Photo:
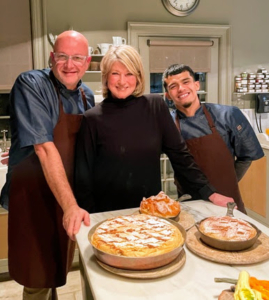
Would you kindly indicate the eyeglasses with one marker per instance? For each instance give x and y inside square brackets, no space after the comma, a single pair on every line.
[76,59]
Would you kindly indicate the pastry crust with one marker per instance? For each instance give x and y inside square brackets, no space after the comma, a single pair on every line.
[160,206]
[227,228]
[137,236]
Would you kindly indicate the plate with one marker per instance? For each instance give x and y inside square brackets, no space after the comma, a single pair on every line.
[257,253]
[148,274]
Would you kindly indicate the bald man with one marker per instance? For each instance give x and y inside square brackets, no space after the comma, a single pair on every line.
[46,108]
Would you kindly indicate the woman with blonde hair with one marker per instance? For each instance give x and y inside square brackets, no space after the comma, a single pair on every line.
[121,140]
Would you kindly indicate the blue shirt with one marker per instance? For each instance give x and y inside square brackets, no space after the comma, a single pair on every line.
[34,112]
[231,124]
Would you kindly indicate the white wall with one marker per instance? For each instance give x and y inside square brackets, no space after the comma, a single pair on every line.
[101,19]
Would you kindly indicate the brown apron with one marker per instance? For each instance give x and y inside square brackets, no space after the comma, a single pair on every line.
[215,160]
[40,253]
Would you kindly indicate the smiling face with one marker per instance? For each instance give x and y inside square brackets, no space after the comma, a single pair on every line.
[68,72]
[182,89]
[120,81]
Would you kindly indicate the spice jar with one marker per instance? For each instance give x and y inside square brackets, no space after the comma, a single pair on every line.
[238,84]
[244,75]
[251,75]
[262,70]
[259,76]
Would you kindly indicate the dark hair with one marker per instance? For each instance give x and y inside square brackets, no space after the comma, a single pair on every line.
[174,70]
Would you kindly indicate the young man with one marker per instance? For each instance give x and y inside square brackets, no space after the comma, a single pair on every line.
[219,137]
[46,109]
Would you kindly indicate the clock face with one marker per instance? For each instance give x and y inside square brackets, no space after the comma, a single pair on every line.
[180,7]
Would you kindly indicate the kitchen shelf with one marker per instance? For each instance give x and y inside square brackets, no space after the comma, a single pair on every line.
[235,93]
[198,92]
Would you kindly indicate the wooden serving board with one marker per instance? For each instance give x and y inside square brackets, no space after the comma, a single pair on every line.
[186,219]
[257,253]
[148,274]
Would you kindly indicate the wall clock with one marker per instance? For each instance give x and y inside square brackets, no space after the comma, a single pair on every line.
[180,8]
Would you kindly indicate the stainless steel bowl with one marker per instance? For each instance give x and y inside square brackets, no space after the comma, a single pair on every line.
[138,263]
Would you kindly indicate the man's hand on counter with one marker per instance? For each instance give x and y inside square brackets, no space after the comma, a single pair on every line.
[4,158]
[219,199]
[72,219]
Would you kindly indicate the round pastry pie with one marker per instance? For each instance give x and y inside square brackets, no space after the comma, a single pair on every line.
[227,229]
[160,206]
[136,236]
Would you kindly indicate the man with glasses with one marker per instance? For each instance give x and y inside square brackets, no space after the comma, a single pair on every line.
[46,108]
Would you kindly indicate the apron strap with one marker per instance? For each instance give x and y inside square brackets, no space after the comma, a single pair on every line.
[177,122]
[208,117]
[84,98]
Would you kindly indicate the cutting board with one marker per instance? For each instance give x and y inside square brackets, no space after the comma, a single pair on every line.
[257,253]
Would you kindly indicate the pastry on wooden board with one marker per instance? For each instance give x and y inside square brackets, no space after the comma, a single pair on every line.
[160,205]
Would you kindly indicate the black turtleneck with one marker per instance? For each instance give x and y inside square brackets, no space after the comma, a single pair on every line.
[118,154]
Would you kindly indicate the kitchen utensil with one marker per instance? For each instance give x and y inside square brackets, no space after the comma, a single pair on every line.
[118,40]
[138,263]
[259,252]
[228,280]
[103,47]
[226,244]
[184,197]
[230,209]
[168,269]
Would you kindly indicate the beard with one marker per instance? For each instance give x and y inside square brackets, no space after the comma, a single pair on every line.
[187,105]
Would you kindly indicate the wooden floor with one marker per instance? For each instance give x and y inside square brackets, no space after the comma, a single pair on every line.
[10,290]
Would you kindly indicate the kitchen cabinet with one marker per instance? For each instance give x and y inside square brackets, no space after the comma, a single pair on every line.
[3,241]
[15,41]
[253,190]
